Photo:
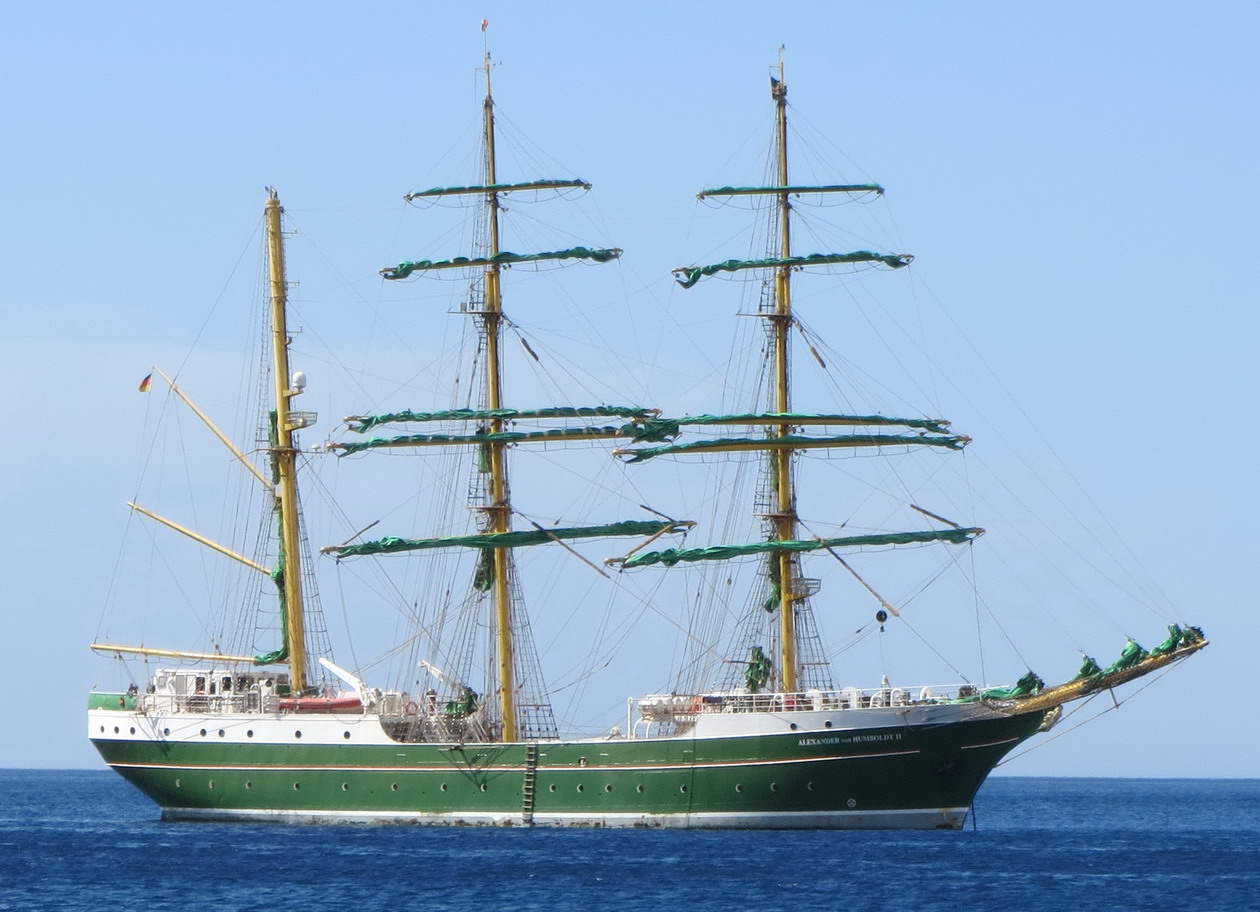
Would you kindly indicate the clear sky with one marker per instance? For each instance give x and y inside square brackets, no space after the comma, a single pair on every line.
[1077,180]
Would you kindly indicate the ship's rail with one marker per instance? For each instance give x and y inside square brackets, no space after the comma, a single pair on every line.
[208,704]
[672,707]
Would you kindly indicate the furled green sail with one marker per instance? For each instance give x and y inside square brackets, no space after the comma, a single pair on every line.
[769,191]
[687,276]
[647,431]
[598,254]
[759,669]
[936,425]
[361,424]
[672,556]
[498,188]
[520,539]
[1026,686]
[1131,655]
[791,442]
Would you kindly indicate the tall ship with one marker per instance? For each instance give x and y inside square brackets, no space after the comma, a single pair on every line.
[755,734]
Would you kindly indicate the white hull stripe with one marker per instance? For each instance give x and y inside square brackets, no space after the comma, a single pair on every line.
[460,767]
[855,819]
[968,747]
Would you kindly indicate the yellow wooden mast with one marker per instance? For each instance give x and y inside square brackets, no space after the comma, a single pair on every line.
[284,453]
[499,508]
[784,519]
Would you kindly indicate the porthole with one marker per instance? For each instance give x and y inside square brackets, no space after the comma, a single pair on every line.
[249,734]
[116,730]
[297,734]
[581,760]
[102,729]
[483,786]
[166,733]
[683,789]
[607,789]
[248,784]
[810,786]
[581,788]
[345,786]
[774,786]
[827,724]
[393,786]
[179,783]
[203,732]
[210,783]
[551,788]
[852,802]
[346,735]
[442,787]
[739,788]
[792,726]
[222,733]
[296,786]
[133,729]
[639,789]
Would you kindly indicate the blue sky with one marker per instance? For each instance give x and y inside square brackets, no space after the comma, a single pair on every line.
[1077,182]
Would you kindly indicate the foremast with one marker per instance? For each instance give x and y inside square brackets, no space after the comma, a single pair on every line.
[785,518]
[783,436]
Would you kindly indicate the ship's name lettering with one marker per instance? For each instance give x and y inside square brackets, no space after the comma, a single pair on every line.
[849,739]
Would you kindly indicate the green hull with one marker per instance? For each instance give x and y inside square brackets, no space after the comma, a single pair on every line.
[915,776]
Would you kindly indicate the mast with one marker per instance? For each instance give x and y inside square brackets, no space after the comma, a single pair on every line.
[498,511]
[784,519]
[288,574]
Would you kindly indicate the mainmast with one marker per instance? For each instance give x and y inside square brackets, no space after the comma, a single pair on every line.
[288,574]
[490,429]
[784,519]
[499,510]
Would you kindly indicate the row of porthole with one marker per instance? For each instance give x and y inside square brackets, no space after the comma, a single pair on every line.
[393,787]
[345,786]
[166,732]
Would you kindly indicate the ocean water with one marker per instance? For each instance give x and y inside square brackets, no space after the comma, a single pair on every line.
[80,840]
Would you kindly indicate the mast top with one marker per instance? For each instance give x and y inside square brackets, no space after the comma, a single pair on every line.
[778,87]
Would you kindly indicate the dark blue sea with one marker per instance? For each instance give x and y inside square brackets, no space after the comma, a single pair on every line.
[76,840]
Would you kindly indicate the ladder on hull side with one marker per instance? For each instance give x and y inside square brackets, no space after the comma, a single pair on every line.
[529,783]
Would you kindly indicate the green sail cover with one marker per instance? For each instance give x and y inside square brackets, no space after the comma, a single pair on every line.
[363,423]
[1131,655]
[599,255]
[487,540]
[499,188]
[649,431]
[758,191]
[935,425]
[791,442]
[281,653]
[1176,636]
[1026,686]
[672,556]
[688,276]
[1089,668]
[759,669]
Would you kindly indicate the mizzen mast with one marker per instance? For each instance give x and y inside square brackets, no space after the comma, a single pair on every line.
[287,574]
